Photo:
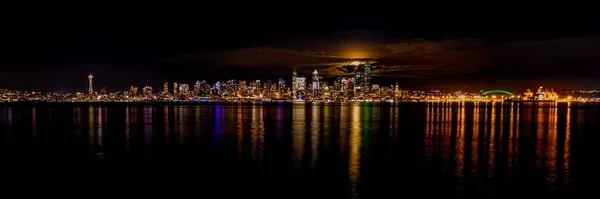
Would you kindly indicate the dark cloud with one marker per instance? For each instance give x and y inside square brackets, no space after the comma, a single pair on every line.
[462,59]
[266,57]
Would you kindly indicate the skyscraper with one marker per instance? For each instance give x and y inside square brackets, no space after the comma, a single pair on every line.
[300,83]
[184,88]
[197,87]
[175,88]
[90,79]
[294,75]
[166,88]
[366,76]
[281,86]
[147,90]
[315,84]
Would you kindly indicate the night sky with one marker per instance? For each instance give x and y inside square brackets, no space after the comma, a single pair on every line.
[420,47]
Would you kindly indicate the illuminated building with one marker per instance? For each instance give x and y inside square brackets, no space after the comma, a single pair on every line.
[242,87]
[337,84]
[316,84]
[166,88]
[294,89]
[281,87]
[528,94]
[184,88]
[324,90]
[540,93]
[344,85]
[300,87]
[350,87]
[147,90]
[230,88]
[552,94]
[175,88]
[300,83]
[357,79]
[375,88]
[103,91]
[90,79]
[133,90]
[366,75]
[281,84]
[197,88]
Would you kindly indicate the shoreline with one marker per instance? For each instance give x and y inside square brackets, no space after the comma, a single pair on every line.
[435,103]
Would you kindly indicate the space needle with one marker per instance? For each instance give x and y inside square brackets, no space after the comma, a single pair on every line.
[90,79]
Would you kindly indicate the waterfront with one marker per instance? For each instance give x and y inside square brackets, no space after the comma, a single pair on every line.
[305,150]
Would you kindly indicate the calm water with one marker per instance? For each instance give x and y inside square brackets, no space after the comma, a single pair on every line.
[300,151]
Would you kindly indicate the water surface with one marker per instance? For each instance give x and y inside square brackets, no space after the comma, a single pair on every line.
[301,150]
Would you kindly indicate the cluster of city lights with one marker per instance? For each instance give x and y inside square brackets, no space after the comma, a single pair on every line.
[352,88]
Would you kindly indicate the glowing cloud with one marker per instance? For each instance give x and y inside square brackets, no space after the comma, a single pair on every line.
[355,63]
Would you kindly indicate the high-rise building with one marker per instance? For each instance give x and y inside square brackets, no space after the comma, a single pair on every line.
[90,80]
[184,88]
[147,90]
[344,82]
[175,88]
[300,83]
[197,88]
[294,88]
[133,90]
[337,84]
[166,88]
[316,84]
[315,80]
[366,75]
[281,86]
[375,89]
[358,79]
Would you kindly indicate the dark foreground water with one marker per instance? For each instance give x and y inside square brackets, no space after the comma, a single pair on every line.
[298,151]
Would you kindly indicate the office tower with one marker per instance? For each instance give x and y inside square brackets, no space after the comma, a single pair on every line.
[184,88]
[166,88]
[366,76]
[315,84]
[175,88]
[147,90]
[294,88]
[133,90]
[197,88]
[300,83]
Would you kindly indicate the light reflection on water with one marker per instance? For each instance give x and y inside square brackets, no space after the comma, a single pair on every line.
[355,144]
[257,135]
[315,125]
[34,122]
[91,135]
[495,140]
[127,130]
[475,144]
[298,134]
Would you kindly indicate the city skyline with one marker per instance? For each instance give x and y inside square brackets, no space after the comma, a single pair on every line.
[354,87]
[456,85]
